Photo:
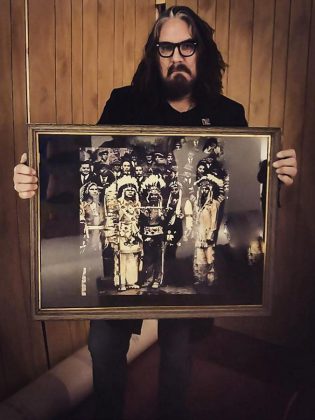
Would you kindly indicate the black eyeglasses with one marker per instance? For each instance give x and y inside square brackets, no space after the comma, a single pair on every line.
[186,48]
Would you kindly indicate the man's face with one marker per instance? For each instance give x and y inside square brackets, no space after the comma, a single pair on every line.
[204,190]
[177,70]
[104,156]
[85,169]
[126,167]
[130,192]
[139,171]
[170,158]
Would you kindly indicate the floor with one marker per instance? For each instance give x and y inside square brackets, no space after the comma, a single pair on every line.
[235,377]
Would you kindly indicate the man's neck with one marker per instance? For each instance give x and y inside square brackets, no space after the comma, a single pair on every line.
[183,104]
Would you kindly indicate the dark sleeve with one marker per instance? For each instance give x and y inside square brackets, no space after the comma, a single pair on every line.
[119,109]
[109,111]
[239,117]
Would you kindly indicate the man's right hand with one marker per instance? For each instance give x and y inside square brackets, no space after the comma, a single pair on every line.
[25,179]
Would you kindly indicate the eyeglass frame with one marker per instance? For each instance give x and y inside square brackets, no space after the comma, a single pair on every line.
[177,45]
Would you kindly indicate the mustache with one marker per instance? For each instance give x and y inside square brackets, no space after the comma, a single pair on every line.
[178,67]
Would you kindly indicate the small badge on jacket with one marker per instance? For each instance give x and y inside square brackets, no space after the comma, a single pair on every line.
[205,121]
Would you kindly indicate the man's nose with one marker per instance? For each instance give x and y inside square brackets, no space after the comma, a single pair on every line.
[177,55]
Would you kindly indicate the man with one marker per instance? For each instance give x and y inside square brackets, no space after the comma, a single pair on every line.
[179,83]
[86,172]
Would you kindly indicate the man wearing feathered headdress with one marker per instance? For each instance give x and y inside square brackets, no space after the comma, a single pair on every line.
[205,214]
[152,223]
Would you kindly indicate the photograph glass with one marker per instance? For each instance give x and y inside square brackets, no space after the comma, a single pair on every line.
[140,223]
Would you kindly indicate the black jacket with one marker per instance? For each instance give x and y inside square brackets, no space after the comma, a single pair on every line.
[123,107]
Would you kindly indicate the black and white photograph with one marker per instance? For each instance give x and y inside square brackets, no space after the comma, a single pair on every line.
[153,220]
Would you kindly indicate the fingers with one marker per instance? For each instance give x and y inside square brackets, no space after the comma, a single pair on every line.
[25,179]
[284,162]
[25,187]
[287,180]
[287,170]
[23,158]
[288,153]
[26,194]
[286,166]
[23,169]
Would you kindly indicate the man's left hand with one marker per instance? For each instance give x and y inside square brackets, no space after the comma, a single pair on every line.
[286,166]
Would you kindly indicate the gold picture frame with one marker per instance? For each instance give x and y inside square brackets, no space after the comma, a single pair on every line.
[152,222]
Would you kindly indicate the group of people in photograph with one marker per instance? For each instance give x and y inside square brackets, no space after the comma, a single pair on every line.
[138,206]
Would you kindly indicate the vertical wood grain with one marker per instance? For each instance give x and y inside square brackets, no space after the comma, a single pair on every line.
[240,51]
[106,30]
[6,132]
[118,43]
[306,203]
[129,31]
[77,61]
[279,63]
[34,343]
[207,11]
[258,114]
[63,62]
[294,136]
[90,51]
[193,4]
[21,350]
[42,49]
[144,20]
[222,34]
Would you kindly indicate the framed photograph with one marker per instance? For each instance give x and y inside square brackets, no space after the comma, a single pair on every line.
[152,222]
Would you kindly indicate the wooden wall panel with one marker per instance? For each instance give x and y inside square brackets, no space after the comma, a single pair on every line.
[90,51]
[55,73]
[240,51]
[279,63]
[118,43]
[222,34]
[261,63]
[193,4]
[76,59]
[305,240]
[207,11]
[145,12]
[287,110]
[21,345]
[63,62]
[129,31]
[42,52]
[106,31]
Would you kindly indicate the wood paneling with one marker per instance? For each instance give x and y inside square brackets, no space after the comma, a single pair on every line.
[63,62]
[240,51]
[90,51]
[79,50]
[42,52]
[106,31]
[258,113]
[21,344]
[76,59]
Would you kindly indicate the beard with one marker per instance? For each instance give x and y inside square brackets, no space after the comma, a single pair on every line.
[178,86]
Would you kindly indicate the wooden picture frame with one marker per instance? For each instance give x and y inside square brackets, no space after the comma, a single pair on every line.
[152,222]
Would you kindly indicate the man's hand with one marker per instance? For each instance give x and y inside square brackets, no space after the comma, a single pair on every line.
[25,179]
[286,166]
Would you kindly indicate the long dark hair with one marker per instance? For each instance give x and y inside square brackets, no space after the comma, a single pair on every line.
[210,64]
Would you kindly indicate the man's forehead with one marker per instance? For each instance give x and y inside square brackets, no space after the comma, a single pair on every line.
[175,30]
